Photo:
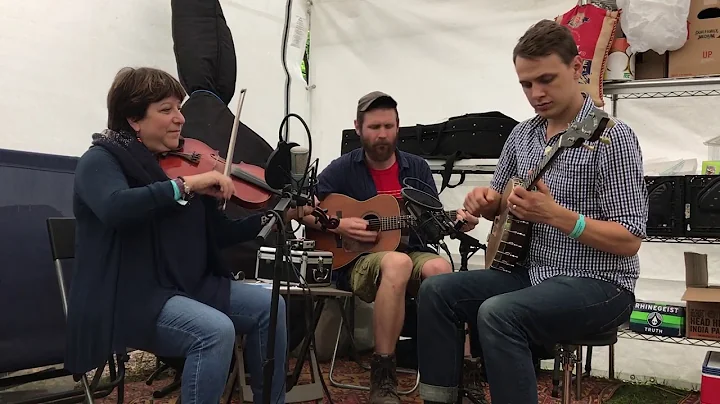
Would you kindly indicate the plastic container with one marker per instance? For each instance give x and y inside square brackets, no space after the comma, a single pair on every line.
[710,382]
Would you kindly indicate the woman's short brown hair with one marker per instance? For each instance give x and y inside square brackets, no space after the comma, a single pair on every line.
[133,90]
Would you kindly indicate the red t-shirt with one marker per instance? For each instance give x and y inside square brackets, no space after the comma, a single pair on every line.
[387,181]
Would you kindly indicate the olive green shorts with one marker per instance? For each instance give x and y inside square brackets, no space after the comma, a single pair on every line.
[365,274]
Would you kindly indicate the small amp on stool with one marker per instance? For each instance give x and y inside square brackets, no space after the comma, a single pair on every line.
[313,267]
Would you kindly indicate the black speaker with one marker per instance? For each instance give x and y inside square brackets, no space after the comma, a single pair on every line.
[666,210]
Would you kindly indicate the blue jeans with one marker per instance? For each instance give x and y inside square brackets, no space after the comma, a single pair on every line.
[510,317]
[206,338]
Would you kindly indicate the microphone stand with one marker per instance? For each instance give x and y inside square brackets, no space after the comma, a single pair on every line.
[281,244]
[464,255]
[468,244]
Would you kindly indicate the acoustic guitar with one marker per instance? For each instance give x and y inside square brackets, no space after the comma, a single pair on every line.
[383,215]
[509,236]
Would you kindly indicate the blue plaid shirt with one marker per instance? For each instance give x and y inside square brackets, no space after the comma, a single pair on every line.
[605,184]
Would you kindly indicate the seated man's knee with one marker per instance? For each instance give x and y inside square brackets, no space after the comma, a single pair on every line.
[395,268]
[495,312]
[435,287]
[435,266]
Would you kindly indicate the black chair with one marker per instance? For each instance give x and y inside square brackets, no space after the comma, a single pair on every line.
[568,354]
[163,364]
[62,244]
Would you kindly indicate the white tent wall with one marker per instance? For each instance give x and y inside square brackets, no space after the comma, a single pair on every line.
[446,58]
[58,59]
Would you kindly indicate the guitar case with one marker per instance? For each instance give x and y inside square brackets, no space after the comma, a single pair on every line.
[207,66]
[470,136]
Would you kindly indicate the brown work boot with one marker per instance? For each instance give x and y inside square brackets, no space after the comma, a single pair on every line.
[383,380]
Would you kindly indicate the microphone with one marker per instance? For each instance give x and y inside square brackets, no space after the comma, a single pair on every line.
[425,208]
[299,157]
[431,219]
[285,169]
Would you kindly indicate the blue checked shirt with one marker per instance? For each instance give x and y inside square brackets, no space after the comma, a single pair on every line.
[605,184]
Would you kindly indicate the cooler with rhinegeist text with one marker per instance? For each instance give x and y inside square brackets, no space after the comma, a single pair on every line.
[656,318]
[710,382]
[309,267]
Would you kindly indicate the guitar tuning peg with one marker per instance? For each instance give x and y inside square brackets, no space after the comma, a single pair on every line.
[589,147]
[604,140]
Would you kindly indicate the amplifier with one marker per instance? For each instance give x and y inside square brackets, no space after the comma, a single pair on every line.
[666,216]
[702,218]
[313,267]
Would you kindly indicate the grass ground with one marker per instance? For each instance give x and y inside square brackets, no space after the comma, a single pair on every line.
[645,394]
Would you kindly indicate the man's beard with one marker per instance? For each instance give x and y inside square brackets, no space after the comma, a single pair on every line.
[380,151]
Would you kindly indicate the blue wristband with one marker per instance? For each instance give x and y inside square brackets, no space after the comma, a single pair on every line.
[579,227]
[176,190]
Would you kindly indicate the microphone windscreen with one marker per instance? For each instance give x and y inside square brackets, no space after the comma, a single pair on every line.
[277,169]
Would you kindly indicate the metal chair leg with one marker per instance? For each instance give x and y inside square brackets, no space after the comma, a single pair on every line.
[88,393]
[567,359]
[578,373]
[335,383]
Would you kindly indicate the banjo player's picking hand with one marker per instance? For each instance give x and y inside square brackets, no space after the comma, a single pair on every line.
[478,201]
[534,206]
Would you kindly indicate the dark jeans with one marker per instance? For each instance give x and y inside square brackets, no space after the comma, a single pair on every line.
[510,315]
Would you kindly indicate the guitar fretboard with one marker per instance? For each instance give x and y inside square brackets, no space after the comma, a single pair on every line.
[399,222]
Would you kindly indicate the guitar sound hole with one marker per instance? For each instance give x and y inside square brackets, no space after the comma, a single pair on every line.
[351,245]
[372,218]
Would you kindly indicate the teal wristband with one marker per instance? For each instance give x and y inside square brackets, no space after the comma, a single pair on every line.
[579,227]
[176,190]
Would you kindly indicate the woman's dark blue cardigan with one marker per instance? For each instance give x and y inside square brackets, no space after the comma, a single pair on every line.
[116,293]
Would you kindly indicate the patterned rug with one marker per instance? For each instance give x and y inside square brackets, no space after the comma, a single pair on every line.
[594,390]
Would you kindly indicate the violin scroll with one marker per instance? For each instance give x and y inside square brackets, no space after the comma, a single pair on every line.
[325,221]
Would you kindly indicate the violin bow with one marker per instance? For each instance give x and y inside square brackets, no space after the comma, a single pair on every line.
[233,137]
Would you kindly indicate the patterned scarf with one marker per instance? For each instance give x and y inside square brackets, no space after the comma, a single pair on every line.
[137,162]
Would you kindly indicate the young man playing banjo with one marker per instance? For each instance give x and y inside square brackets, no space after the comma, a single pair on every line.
[383,277]
[588,218]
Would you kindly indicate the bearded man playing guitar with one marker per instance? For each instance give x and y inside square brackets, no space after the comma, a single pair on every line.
[588,218]
[383,277]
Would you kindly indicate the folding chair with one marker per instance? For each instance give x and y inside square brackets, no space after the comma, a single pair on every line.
[62,245]
[346,323]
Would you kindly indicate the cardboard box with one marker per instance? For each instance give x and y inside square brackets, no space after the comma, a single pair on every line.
[654,318]
[700,55]
[702,300]
[651,65]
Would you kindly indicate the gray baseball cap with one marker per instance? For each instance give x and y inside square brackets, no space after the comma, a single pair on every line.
[365,101]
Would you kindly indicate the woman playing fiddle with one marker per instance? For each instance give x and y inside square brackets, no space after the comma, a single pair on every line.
[148,270]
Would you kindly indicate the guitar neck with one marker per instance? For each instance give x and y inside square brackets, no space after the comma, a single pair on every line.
[399,222]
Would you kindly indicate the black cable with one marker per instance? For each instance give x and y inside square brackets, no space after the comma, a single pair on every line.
[283,125]
[283,53]
[282,228]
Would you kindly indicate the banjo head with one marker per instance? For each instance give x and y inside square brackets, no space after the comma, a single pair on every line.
[506,240]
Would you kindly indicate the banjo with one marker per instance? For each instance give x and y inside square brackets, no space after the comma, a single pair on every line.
[509,237]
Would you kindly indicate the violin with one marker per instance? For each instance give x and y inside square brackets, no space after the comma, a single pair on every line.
[251,191]
[195,157]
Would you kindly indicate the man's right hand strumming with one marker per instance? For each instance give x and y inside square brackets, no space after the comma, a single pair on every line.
[483,201]
[356,228]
